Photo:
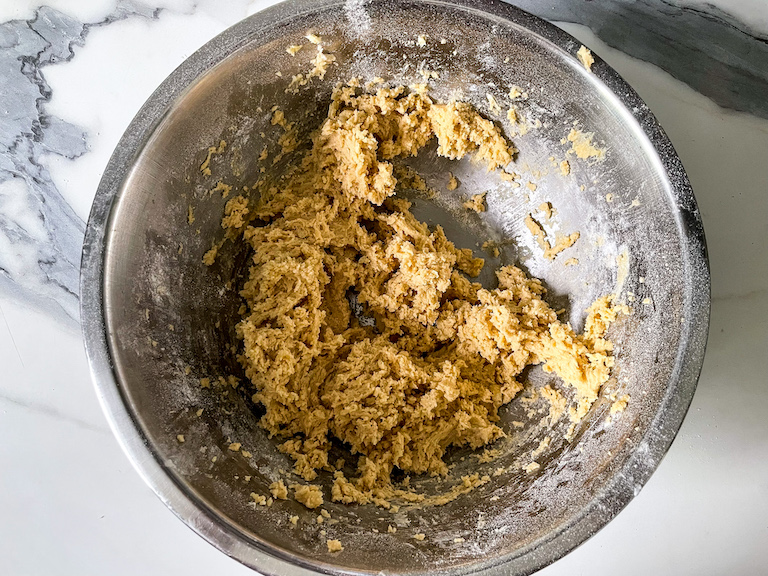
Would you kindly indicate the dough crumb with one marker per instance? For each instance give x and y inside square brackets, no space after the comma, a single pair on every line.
[620,404]
[294,520]
[468,483]
[420,536]
[585,57]
[180,438]
[225,189]
[609,197]
[334,545]
[561,243]
[582,146]
[391,529]
[308,494]
[320,64]
[453,182]
[293,49]
[550,250]
[205,167]
[532,467]
[235,446]
[190,215]
[260,499]
[565,168]
[279,490]
[571,262]
[476,203]
[510,177]
[488,455]
[421,40]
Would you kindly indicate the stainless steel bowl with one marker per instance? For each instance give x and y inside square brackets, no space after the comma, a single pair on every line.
[156,320]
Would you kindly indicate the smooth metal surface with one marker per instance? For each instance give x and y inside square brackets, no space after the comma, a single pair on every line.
[156,320]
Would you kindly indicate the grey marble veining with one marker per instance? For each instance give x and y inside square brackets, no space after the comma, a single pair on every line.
[40,234]
[51,412]
[709,50]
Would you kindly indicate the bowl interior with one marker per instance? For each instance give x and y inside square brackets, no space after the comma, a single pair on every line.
[170,319]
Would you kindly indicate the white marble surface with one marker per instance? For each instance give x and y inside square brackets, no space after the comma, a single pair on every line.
[70,502]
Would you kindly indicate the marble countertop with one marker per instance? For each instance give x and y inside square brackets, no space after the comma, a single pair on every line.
[72,75]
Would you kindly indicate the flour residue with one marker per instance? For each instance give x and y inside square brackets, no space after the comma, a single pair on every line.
[582,145]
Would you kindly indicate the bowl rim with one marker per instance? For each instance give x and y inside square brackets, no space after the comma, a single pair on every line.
[224,535]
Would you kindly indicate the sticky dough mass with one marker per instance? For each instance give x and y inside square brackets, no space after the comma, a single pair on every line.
[441,355]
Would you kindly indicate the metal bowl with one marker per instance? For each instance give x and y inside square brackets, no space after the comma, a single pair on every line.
[156,320]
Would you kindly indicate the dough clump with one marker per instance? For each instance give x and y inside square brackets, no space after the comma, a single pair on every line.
[361,324]
[308,494]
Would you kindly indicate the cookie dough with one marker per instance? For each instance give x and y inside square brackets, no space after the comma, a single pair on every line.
[585,57]
[550,250]
[476,202]
[582,145]
[361,324]
[334,545]
[279,490]
[310,495]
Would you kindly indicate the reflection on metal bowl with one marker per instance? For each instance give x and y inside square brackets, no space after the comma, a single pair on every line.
[156,320]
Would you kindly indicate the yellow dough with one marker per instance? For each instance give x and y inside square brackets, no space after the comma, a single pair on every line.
[441,354]
[308,494]
[476,203]
[585,57]
[279,490]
